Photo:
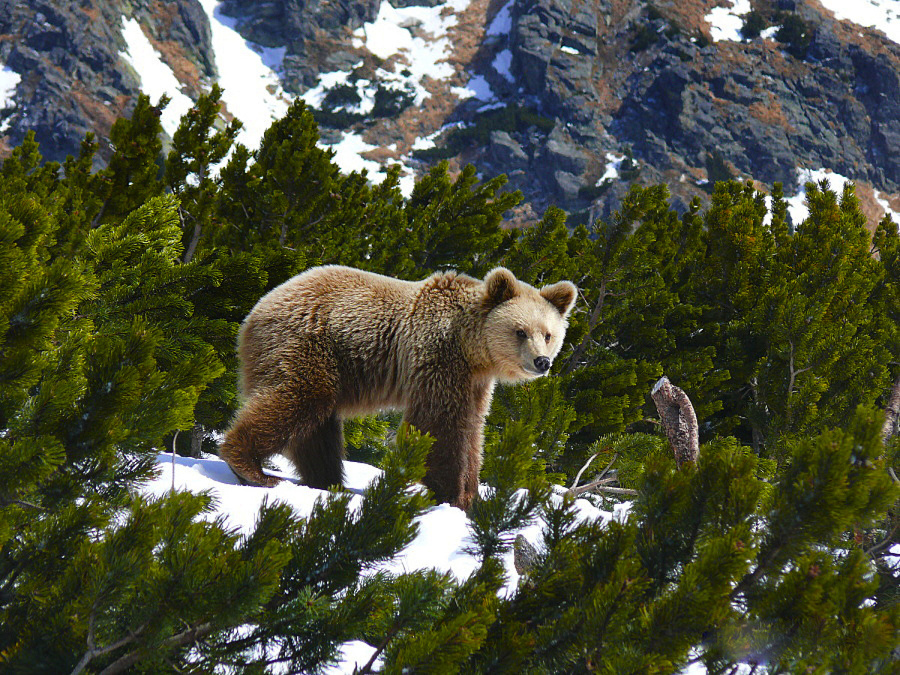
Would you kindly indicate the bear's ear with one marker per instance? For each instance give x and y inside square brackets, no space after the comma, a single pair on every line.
[561,295]
[500,286]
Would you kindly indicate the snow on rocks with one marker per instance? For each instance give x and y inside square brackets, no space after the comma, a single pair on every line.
[502,63]
[9,80]
[501,24]
[156,77]
[613,166]
[883,203]
[477,87]
[248,74]
[883,15]
[417,37]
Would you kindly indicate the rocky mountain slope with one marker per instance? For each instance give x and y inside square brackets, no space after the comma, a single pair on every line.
[572,99]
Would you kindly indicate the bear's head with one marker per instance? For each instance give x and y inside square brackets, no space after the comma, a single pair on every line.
[524,327]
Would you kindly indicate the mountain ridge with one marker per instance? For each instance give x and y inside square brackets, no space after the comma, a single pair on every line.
[572,99]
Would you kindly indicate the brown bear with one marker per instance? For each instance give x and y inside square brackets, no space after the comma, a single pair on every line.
[335,342]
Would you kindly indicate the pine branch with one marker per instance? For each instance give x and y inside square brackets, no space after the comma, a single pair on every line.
[179,640]
[384,643]
[93,651]
[678,420]
[20,502]
[592,323]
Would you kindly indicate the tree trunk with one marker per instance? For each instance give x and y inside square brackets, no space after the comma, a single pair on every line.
[196,440]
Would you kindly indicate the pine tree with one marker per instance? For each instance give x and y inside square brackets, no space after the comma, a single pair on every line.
[190,169]
[282,197]
[767,550]
[450,225]
[133,173]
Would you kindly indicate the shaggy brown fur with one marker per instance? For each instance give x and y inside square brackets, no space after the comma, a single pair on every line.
[336,342]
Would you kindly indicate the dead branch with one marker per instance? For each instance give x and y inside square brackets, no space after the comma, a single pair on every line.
[892,414]
[678,420]
[582,470]
[601,485]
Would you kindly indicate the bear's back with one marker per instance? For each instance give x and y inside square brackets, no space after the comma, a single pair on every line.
[373,328]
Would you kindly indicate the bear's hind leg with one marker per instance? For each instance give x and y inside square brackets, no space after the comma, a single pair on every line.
[318,453]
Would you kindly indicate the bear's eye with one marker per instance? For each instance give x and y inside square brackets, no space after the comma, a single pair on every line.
[547,338]
[521,334]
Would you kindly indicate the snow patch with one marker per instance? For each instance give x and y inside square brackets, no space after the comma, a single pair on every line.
[882,15]
[248,74]
[477,87]
[797,204]
[502,63]
[316,96]
[569,50]
[9,80]
[348,154]
[401,32]
[893,557]
[613,166]
[157,79]
[501,24]
[883,203]
[725,23]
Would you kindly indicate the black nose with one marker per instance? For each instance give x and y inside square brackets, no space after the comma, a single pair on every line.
[542,363]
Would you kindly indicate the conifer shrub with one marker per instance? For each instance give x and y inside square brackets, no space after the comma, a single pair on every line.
[508,118]
[769,550]
[794,33]
[754,24]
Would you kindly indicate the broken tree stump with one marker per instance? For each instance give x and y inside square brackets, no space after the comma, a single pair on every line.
[678,420]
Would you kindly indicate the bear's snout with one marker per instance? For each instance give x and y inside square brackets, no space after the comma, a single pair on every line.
[542,363]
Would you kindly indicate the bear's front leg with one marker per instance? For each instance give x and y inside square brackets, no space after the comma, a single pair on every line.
[454,461]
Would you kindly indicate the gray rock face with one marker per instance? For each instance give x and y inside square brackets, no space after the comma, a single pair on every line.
[299,26]
[675,103]
[592,78]
[73,80]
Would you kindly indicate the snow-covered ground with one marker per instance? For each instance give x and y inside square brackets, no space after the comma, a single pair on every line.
[883,15]
[442,535]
